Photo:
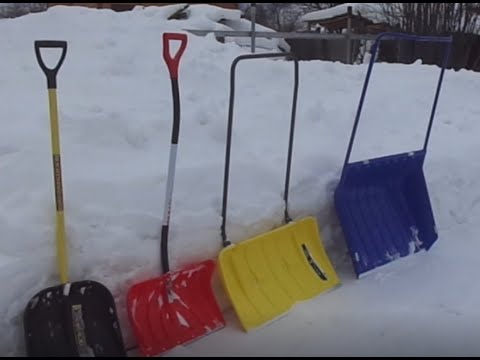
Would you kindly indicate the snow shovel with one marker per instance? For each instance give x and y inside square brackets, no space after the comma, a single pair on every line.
[266,275]
[74,319]
[383,203]
[177,307]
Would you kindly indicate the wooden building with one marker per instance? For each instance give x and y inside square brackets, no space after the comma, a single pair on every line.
[346,19]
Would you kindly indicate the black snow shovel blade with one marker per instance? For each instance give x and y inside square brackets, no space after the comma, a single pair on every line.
[75,320]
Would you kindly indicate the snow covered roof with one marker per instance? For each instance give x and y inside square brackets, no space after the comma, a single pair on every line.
[369,11]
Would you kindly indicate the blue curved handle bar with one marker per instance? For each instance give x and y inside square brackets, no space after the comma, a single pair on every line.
[401,36]
[419,38]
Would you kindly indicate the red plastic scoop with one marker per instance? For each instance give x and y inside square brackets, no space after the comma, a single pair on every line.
[163,318]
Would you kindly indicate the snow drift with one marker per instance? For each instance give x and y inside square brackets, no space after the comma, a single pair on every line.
[115,117]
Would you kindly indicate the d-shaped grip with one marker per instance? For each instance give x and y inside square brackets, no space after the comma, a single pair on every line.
[51,74]
[173,62]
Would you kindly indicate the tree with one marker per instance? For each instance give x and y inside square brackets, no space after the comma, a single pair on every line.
[11,10]
[460,19]
[433,18]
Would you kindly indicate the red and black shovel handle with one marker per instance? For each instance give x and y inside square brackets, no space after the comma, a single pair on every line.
[173,65]
[173,62]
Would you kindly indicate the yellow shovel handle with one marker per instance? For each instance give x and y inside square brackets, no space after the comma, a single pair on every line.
[51,74]
[60,233]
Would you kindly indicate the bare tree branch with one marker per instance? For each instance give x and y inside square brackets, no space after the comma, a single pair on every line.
[433,18]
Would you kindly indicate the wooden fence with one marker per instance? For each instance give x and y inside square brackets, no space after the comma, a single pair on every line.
[350,48]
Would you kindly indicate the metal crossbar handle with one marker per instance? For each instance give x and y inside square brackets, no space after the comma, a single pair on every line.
[229,133]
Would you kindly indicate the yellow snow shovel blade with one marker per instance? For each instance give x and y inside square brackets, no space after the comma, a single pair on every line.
[265,276]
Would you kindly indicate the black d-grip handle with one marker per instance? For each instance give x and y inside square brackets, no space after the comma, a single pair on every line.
[51,74]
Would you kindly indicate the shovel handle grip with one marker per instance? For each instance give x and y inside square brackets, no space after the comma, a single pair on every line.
[50,73]
[173,62]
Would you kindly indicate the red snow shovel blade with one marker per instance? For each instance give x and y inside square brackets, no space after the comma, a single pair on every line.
[163,318]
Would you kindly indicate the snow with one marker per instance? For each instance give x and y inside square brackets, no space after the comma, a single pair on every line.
[207,17]
[66,289]
[182,320]
[115,116]
[213,13]
[371,11]
[213,18]
[260,42]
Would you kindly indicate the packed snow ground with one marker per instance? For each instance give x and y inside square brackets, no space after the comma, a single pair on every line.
[115,114]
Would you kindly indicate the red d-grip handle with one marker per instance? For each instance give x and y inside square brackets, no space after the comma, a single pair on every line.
[173,62]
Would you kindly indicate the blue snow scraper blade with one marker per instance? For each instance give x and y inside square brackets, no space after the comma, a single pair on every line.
[385,210]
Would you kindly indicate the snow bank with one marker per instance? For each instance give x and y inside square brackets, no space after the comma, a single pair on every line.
[213,18]
[208,17]
[115,116]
